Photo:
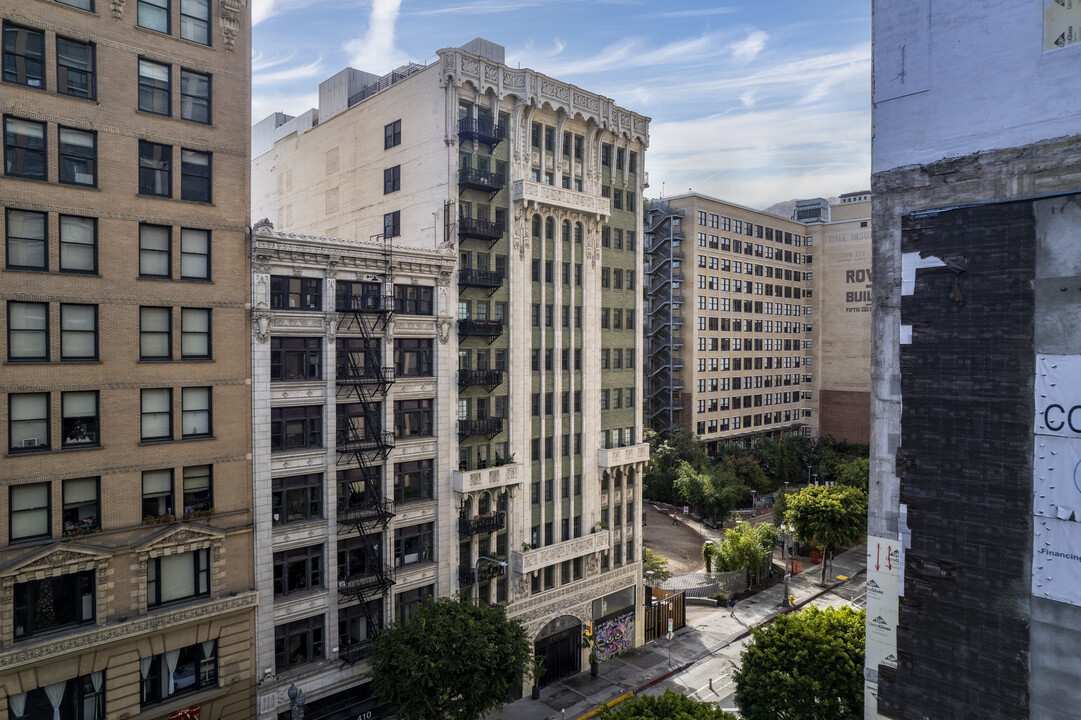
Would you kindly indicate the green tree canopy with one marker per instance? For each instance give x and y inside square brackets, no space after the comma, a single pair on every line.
[854,472]
[670,706]
[450,661]
[747,547]
[712,493]
[830,516]
[657,564]
[804,666]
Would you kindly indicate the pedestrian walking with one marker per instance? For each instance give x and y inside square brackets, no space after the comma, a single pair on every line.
[674,521]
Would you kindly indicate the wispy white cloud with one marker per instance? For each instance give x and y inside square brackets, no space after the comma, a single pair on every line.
[699,12]
[748,48]
[377,52]
[261,10]
[311,69]
[631,53]
[748,99]
[482,7]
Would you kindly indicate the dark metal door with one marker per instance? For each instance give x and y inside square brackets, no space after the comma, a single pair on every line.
[562,654]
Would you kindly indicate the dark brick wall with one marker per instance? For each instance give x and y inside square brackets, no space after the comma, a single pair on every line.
[965,468]
[845,415]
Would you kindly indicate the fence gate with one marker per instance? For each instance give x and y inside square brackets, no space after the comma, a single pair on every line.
[561,649]
[671,606]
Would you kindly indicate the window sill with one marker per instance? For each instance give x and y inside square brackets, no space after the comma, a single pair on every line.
[80,446]
[85,186]
[36,451]
[168,707]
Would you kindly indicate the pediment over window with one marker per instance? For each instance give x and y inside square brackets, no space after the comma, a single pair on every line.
[181,538]
[64,558]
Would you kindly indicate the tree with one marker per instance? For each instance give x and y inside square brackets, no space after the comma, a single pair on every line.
[854,472]
[748,473]
[665,457]
[657,564]
[804,666]
[670,706]
[829,516]
[450,661]
[747,547]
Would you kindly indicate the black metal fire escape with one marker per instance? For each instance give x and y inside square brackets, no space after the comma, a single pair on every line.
[664,324]
[363,379]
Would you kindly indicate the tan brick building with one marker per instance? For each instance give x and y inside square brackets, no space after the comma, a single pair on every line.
[126,583]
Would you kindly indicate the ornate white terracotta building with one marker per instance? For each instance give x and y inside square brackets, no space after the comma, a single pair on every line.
[484,379]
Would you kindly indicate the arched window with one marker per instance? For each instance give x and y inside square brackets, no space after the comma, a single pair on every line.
[550,228]
[484,504]
[578,233]
[536,226]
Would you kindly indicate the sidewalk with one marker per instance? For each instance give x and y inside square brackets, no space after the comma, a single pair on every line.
[707,630]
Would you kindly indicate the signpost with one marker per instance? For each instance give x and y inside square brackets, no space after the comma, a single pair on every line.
[669,642]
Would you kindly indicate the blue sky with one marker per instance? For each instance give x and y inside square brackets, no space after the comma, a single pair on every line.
[753,102]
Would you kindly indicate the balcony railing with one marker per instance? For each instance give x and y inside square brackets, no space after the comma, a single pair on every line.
[480,179]
[490,523]
[353,441]
[355,653]
[535,559]
[613,457]
[367,584]
[490,329]
[485,131]
[350,373]
[486,378]
[466,575]
[370,511]
[490,479]
[489,426]
[348,302]
[489,279]
[489,571]
[480,229]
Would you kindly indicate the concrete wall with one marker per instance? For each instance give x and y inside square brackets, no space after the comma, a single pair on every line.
[953,78]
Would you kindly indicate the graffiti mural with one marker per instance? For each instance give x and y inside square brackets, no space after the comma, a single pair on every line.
[614,636]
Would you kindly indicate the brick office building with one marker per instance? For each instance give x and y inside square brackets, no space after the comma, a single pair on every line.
[126,546]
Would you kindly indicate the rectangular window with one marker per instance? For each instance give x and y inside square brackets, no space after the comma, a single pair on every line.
[297,499]
[28,331]
[24,56]
[392,179]
[413,481]
[28,422]
[156,414]
[292,293]
[194,96]
[296,428]
[78,244]
[413,418]
[295,359]
[157,494]
[155,333]
[155,87]
[30,511]
[78,157]
[406,603]
[196,412]
[392,134]
[183,671]
[413,545]
[24,148]
[413,299]
[392,224]
[198,491]
[155,251]
[171,578]
[195,176]
[50,604]
[26,240]
[154,15]
[195,333]
[194,254]
[75,68]
[82,512]
[79,419]
[195,21]
[298,570]
[155,169]
[413,357]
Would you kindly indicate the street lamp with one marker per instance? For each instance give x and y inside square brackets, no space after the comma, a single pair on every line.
[476,575]
[752,499]
[786,535]
[816,479]
[296,702]
[808,475]
[649,588]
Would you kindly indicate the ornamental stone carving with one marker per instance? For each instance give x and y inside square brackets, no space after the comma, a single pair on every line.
[118,9]
[444,330]
[260,322]
[229,12]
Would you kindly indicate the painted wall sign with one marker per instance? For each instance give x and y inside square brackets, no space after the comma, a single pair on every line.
[1061,23]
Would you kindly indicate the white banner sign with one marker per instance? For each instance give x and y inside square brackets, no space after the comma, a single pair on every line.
[1058,396]
[1056,560]
[1056,472]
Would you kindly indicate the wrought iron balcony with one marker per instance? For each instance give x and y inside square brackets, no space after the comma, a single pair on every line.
[466,575]
[487,378]
[491,329]
[480,229]
[478,179]
[489,426]
[490,523]
[488,279]
[485,131]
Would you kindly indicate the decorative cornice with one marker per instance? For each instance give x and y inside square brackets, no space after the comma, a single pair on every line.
[105,386]
[81,642]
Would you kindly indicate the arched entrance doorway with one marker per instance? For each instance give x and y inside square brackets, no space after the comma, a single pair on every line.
[560,642]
